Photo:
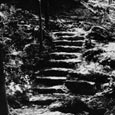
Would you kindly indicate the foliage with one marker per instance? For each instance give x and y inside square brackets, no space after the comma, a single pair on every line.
[19,32]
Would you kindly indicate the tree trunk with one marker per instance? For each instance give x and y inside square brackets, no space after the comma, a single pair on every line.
[46,14]
[3,100]
[110,1]
[40,25]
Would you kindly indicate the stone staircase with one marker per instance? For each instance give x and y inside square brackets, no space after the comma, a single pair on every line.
[64,59]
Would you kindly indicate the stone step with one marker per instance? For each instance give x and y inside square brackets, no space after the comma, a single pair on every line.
[74,34]
[73,38]
[50,80]
[80,76]
[42,99]
[59,63]
[46,99]
[68,48]
[69,42]
[64,63]
[58,34]
[75,60]
[48,90]
[55,72]
[64,55]
[98,78]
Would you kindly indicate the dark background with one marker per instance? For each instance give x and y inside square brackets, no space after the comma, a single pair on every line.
[54,6]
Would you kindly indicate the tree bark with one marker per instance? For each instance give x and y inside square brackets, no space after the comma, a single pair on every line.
[110,1]
[40,25]
[47,14]
[3,100]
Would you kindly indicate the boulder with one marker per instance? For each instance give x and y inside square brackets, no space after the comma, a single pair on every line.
[81,87]
[92,54]
[70,105]
[99,33]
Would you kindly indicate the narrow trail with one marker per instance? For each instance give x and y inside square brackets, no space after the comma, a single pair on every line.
[52,81]
[64,59]
[59,75]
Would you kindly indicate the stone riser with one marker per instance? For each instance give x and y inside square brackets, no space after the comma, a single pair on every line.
[56,56]
[58,34]
[71,38]
[49,82]
[69,49]
[47,90]
[58,73]
[60,65]
[70,43]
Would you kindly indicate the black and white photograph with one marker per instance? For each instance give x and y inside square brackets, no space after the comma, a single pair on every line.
[57,57]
